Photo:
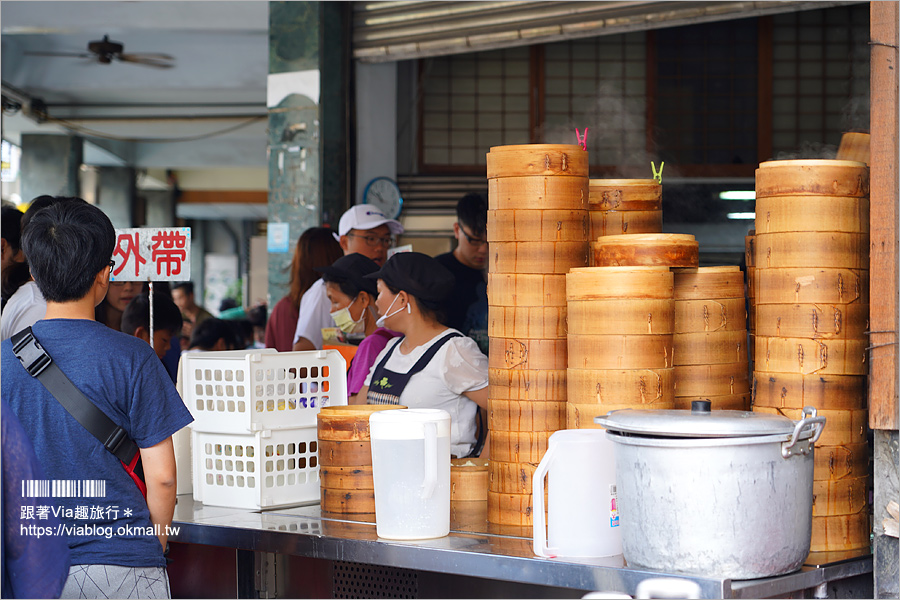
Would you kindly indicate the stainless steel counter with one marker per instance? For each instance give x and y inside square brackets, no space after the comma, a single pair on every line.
[474,548]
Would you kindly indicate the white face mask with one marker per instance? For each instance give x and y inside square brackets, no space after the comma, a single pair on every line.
[344,320]
[381,320]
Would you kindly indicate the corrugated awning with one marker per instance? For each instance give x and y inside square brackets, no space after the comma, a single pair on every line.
[402,30]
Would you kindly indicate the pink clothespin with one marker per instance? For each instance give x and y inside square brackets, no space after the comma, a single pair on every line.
[582,140]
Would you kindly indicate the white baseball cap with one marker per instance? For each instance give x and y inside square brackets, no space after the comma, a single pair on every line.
[366,216]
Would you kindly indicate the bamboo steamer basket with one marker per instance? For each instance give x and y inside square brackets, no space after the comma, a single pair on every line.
[603,283]
[528,322]
[750,248]
[527,384]
[625,194]
[618,222]
[641,316]
[620,351]
[832,321]
[710,316]
[792,390]
[510,353]
[526,415]
[846,496]
[346,477]
[726,402]
[714,380]
[812,286]
[524,289]
[794,213]
[468,479]
[815,250]
[841,532]
[348,501]
[511,478]
[516,225]
[713,348]
[469,515]
[807,356]
[650,387]
[519,446]
[838,462]
[347,423]
[808,177]
[581,416]
[354,453]
[704,283]
[528,160]
[537,257]
[510,509]
[843,428]
[646,249]
[537,193]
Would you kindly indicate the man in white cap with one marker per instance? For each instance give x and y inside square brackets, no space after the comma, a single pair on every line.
[363,229]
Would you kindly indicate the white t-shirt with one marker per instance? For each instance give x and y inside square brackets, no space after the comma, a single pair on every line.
[458,367]
[23,309]
[315,313]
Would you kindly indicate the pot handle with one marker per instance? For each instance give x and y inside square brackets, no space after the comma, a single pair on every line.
[809,418]
[431,461]
[537,502]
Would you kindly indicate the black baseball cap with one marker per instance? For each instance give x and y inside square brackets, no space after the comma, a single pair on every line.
[417,274]
[353,268]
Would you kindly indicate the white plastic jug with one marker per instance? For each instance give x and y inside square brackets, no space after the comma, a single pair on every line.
[411,470]
[582,510]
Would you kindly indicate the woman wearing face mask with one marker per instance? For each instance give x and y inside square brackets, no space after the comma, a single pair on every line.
[352,298]
[432,365]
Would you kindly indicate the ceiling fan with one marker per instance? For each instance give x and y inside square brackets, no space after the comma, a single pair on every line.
[106,51]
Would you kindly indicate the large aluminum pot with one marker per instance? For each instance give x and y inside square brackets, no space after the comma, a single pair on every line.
[715,493]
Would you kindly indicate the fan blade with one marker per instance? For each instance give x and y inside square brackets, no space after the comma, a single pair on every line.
[75,54]
[148,60]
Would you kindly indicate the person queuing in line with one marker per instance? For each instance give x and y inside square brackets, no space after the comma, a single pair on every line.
[352,297]
[13,271]
[431,365]
[120,293]
[192,313]
[257,316]
[467,305]
[363,229]
[316,247]
[167,321]
[170,360]
[69,246]
[212,335]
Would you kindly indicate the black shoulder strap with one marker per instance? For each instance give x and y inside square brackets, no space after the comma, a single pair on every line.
[40,366]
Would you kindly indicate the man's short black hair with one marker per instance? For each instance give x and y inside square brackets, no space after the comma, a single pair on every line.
[187,286]
[165,314]
[471,211]
[209,331]
[11,226]
[67,244]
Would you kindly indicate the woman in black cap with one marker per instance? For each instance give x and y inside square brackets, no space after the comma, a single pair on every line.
[352,296]
[432,365]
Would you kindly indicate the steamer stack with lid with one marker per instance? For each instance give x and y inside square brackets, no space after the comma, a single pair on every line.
[538,228]
[750,262]
[620,206]
[811,301]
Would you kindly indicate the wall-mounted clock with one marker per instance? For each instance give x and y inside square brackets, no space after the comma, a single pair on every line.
[383,193]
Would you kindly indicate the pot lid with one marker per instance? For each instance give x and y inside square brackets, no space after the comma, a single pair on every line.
[699,422]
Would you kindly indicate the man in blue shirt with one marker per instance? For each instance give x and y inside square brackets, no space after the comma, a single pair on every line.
[115,536]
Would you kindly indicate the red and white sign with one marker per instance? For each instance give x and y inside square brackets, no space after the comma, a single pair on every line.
[152,254]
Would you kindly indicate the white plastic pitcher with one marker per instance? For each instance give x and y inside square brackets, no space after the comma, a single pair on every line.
[582,508]
[411,470]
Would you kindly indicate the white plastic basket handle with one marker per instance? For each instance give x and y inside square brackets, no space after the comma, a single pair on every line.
[537,516]
[431,459]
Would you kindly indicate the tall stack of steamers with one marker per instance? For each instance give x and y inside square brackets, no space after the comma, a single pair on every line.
[811,296]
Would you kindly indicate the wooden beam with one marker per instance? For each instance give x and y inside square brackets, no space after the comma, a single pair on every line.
[883,174]
[223,196]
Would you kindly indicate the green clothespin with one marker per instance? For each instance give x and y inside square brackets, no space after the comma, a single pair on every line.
[657,175]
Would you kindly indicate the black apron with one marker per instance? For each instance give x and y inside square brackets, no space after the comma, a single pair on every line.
[387,386]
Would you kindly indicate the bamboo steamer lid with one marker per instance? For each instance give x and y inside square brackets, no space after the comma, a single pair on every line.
[529,322]
[524,289]
[704,283]
[468,479]
[509,509]
[838,462]
[805,177]
[650,387]
[843,427]
[841,532]
[346,477]
[811,286]
[712,380]
[641,316]
[846,496]
[807,356]
[581,416]
[345,453]
[347,423]
[837,321]
[625,194]
[509,353]
[750,248]
[812,250]
[537,257]
[812,213]
[511,478]
[526,415]
[527,384]
[620,351]
[537,159]
[710,316]
[538,193]
[646,249]
[599,283]
[726,402]
[519,446]
[792,390]
[516,225]
[618,222]
[348,501]
[713,348]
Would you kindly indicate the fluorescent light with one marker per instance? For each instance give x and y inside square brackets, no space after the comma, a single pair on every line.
[738,195]
[744,215]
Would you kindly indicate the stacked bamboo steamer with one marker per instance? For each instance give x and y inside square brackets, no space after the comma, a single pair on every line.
[538,229]
[811,301]
[750,262]
[711,338]
[620,206]
[621,324]
[646,250]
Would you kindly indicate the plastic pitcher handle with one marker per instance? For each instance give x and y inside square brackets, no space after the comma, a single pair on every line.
[537,515]
[431,459]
